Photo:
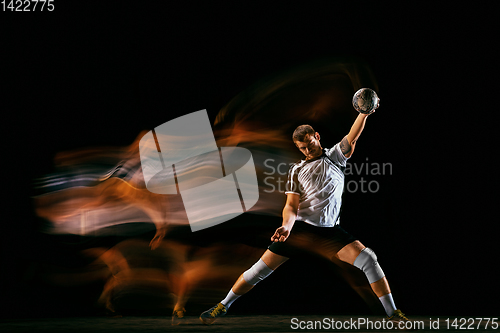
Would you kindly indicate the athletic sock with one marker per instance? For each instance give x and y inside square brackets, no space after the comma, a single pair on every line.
[230,298]
[388,304]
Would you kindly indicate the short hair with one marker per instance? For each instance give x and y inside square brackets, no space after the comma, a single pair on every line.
[300,132]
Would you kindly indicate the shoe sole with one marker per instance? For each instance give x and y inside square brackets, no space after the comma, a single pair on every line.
[207,321]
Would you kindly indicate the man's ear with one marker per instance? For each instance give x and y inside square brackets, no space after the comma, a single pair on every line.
[316,135]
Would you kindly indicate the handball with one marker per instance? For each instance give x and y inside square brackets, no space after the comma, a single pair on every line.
[365,100]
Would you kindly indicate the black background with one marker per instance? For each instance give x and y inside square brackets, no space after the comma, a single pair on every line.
[97,73]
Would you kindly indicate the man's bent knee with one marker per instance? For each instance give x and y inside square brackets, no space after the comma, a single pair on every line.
[263,268]
[367,262]
[258,272]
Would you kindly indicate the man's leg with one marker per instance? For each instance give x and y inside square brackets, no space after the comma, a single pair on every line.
[365,259]
[259,271]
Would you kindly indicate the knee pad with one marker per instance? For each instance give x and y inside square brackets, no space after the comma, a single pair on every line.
[367,262]
[258,272]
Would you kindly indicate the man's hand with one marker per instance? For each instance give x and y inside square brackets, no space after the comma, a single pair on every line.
[281,234]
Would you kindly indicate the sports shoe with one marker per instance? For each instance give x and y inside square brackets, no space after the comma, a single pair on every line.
[178,316]
[398,316]
[208,317]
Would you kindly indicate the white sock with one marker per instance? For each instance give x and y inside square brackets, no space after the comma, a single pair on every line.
[388,304]
[230,298]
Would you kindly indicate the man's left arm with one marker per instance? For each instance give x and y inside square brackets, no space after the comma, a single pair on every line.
[348,143]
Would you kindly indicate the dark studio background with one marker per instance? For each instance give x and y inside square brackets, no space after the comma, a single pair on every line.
[97,73]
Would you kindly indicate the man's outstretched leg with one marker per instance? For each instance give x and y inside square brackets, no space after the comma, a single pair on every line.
[365,259]
[258,272]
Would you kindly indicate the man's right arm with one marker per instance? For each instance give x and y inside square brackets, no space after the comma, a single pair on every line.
[289,215]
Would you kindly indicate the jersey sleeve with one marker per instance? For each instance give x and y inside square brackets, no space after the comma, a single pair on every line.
[292,183]
[335,154]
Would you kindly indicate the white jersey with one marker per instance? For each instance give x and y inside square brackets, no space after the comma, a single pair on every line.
[320,183]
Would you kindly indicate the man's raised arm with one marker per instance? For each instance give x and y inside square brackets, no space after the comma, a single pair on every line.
[349,141]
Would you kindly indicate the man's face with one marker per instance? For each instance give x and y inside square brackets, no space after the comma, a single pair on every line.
[310,147]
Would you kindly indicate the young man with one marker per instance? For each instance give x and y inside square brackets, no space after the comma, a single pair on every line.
[314,195]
